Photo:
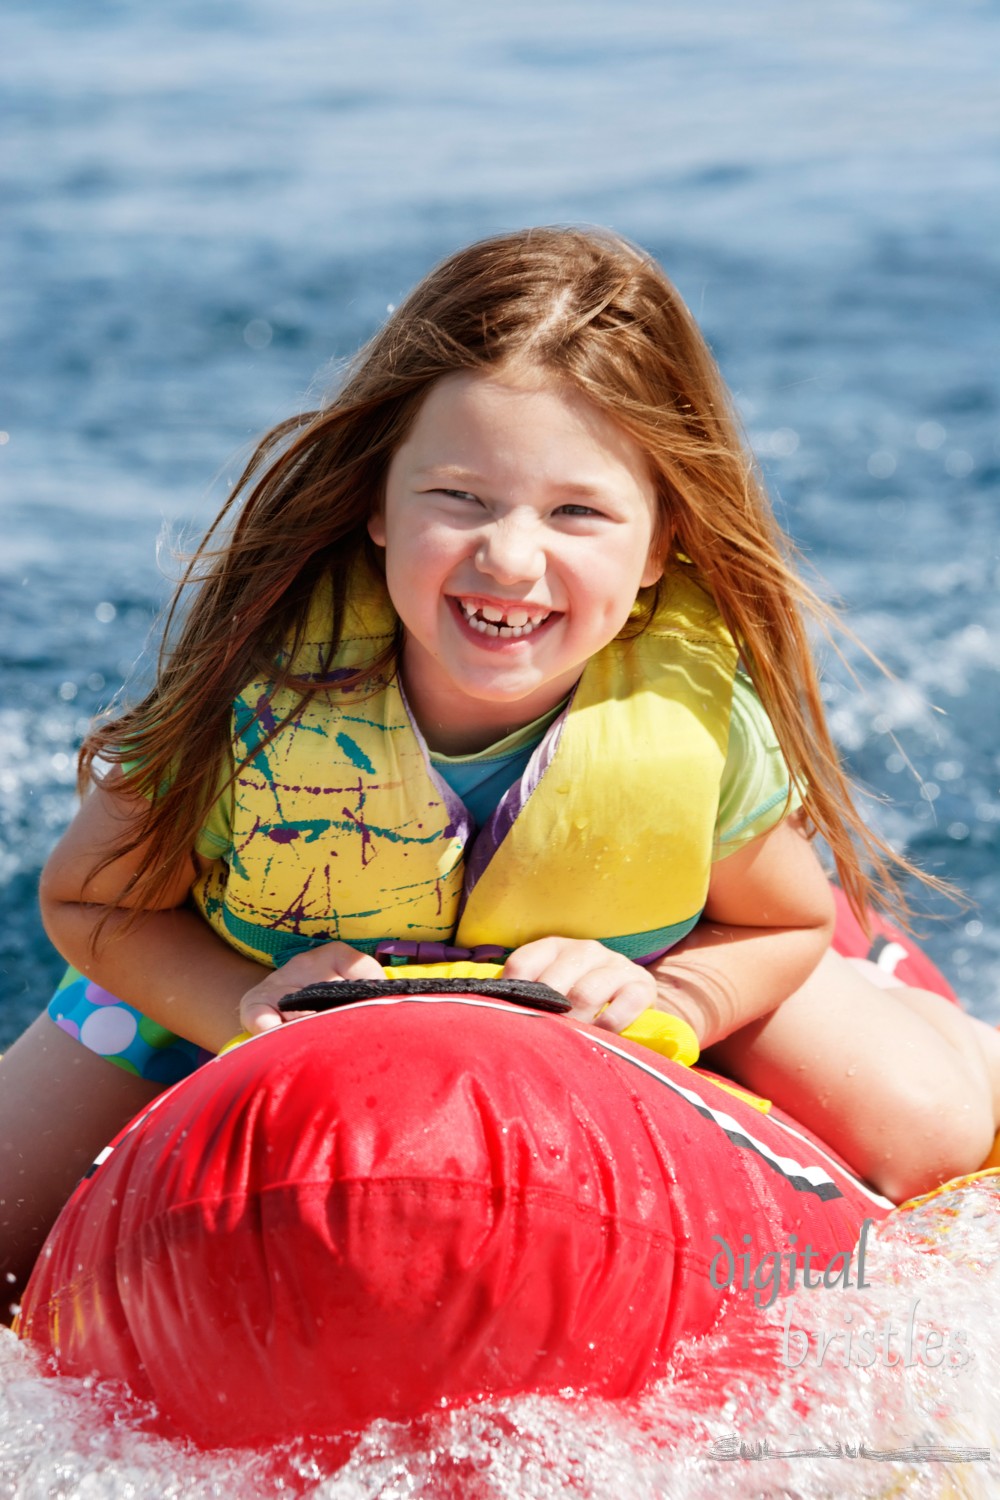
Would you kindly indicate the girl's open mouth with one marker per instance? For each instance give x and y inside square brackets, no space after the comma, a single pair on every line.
[501,622]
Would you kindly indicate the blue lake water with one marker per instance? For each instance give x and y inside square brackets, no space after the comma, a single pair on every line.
[205,208]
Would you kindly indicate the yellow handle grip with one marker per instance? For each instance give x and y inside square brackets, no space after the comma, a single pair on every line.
[668,1035]
[455,969]
[235,1041]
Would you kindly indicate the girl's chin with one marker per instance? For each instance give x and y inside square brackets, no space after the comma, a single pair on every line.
[535,692]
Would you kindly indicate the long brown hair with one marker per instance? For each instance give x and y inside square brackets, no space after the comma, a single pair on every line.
[592,310]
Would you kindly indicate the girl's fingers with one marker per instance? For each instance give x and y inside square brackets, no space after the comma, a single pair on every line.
[260,1015]
[533,960]
[627,1006]
[359,966]
[330,962]
[601,986]
[559,962]
[259,1008]
[611,997]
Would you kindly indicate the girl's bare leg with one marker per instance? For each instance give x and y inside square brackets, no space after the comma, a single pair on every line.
[900,1082]
[60,1104]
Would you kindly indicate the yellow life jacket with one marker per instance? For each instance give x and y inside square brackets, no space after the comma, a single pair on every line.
[341,828]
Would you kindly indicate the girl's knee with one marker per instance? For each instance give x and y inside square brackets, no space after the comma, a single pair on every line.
[929,1141]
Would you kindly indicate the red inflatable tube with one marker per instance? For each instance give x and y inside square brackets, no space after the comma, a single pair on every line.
[408,1201]
[890,949]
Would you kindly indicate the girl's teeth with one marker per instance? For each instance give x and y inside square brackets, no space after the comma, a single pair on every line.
[489,620]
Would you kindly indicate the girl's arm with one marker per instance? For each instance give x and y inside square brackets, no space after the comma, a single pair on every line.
[170,964]
[767,922]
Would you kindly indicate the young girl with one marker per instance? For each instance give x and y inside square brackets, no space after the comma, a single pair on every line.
[499,651]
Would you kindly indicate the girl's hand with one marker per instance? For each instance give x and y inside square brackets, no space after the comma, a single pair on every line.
[259,1006]
[603,987]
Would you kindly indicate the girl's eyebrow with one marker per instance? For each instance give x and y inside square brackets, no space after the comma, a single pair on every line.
[454,472]
[448,471]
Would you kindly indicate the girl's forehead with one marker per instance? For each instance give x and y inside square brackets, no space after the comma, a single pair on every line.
[522,407]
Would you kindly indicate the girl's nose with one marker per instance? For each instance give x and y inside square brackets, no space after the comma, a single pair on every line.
[511,552]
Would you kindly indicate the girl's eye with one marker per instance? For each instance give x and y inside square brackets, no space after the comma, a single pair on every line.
[578,510]
[460,495]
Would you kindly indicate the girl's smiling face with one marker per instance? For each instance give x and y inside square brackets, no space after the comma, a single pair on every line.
[519,524]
